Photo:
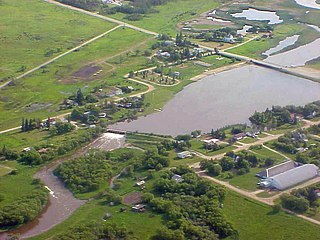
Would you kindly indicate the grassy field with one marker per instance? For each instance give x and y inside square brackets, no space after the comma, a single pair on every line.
[144,225]
[246,181]
[33,31]
[255,220]
[51,86]
[255,48]
[170,14]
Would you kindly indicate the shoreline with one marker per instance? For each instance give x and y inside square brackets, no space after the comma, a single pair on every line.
[217,70]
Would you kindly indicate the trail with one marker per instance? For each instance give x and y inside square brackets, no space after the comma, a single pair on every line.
[60,56]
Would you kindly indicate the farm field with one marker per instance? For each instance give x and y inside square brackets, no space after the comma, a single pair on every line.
[46,88]
[33,32]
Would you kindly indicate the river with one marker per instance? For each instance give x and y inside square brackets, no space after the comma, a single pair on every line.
[62,203]
[227,98]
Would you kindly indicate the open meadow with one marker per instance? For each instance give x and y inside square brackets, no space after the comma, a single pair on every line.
[33,32]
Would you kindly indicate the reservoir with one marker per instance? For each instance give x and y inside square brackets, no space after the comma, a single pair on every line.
[227,98]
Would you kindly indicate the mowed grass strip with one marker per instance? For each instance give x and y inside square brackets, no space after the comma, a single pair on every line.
[49,86]
[33,32]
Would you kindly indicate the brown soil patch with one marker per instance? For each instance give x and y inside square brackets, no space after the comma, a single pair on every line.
[86,71]
[132,198]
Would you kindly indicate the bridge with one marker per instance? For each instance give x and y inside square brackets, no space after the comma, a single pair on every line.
[109,130]
[263,64]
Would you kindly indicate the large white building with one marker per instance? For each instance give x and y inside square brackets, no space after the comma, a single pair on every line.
[291,177]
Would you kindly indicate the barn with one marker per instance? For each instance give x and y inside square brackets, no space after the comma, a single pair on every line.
[292,177]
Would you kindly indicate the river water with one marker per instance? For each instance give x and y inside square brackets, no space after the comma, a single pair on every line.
[282,45]
[62,203]
[309,3]
[227,98]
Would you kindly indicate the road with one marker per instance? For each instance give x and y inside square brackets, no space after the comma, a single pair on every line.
[103,17]
[61,55]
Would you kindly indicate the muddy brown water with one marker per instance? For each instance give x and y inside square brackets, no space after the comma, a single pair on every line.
[62,203]
[225,98]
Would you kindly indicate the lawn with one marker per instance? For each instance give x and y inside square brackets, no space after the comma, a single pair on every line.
[246,181]
[33,32]
[255,220]
[264,153]
[60,83]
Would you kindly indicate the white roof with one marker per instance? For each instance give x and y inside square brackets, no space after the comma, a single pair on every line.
[294,176]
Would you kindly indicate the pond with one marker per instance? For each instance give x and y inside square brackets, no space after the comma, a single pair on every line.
[227,98]
[258,15]
[244,30]
[308,3]
[282,45]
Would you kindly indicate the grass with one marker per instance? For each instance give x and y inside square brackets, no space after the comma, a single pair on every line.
[59,83]
[248,140]
[171,14]
[198,146]
[30,29]
[264,152]
[143,225]
[246,181]
[255,220]
[15,186]
[4,170]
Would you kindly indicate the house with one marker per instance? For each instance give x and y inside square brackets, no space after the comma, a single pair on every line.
[168,43]
[176,74]
[140,183]
[238,136]
[27,149]
[291,177]
[42,150]
[229,39]
[138,208]
[211,142]
[102,115]
[177,178]
[165,54]
[184,154]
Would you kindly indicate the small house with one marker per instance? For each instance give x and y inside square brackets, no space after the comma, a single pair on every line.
[184,154]
[239,136]
[138,208]
[140,183]
[177,178]
[229,39]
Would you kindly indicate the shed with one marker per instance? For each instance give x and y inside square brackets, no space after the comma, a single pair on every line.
[184,154]
[277,169]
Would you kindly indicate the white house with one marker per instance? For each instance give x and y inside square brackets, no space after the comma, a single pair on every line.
[184,154]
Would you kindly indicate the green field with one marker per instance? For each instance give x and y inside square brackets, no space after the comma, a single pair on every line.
[30,29]
[170,14]
[255,220]
[51,86]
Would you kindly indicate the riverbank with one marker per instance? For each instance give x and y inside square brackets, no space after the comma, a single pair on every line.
[217,70]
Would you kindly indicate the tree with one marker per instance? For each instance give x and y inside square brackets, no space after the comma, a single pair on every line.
[147,197]
[227,163]
[293,203]
[214,169]
[79,97]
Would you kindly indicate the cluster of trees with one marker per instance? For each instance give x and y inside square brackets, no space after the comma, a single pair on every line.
[312,155]
[84,4]
[192,208]
[95,231]
[257,29]
[153,160]
[33,157]
[239,163]
[216,35]
[301,200]
[30,124]
[84,174]
[277,116]
[23,209]
[61,128]
[291,141]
